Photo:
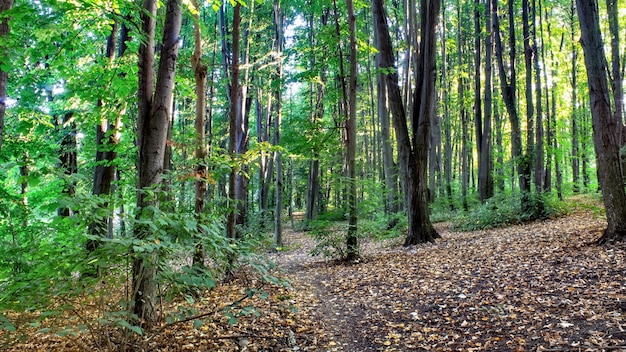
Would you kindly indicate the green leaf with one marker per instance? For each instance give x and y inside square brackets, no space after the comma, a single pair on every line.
[197,324]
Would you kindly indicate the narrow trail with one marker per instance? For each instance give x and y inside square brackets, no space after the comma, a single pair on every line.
[318,278]
[541,286]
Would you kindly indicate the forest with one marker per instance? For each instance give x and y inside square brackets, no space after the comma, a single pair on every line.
[260,176]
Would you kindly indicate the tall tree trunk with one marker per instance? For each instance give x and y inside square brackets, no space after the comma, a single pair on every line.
[278,30]
[507,85]
[465,172]
[200,153]
[317,113]
[412,155]
[617,72]
[233,113]
[351,240]
[605,123]
[152,130]
[5,6]
[575,116]
[107,139]
[447,122]
[539,130]
[529,159]
[485,172]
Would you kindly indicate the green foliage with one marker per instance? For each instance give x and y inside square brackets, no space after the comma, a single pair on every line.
[382,226]
[505,209]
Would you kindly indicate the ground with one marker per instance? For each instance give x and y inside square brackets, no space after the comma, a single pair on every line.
[541,286]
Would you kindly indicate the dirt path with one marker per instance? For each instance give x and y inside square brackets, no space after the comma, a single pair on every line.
[541,286]
[317,278]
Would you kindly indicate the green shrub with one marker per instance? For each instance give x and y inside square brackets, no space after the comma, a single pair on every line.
[505,209]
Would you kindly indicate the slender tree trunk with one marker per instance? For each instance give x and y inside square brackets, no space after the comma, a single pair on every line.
[539,130]
[605,123]
[152,130]
[447,123]
[278,30]
[507,85]
[465,172]
[485,172]
[107,139]
[529,159]
[200,153]
[5,5]
[575,115]
[617,72]
[351,239]
[234,113]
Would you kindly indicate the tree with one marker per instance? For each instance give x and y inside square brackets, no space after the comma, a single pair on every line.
[412,153]
[278,31]
[507,86]
[352,244]
[200,153]
[606,123]
[485,172]
[107,140]
[155,109]
[233,115]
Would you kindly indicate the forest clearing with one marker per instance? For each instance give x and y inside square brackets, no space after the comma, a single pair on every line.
[540,286]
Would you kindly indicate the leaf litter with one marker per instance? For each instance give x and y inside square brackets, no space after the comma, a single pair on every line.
[541,286]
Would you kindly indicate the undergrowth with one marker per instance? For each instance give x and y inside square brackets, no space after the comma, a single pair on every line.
[506,209]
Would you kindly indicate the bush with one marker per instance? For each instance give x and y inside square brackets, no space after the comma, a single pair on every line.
[505,209]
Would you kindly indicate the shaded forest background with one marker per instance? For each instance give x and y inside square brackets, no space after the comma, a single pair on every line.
[165,144]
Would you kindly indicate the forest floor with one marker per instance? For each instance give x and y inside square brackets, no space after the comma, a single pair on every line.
[540,286]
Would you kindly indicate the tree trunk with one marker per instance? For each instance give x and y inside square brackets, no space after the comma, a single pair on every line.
[465,172]
[507,85]
[68,156]
[107,139]
[447,122]
[351,240]
[200,153]
[529,159]
[278,30]
[485,172]
[152,130]
[539,130]
[412,156]
[575,117]
[234,113]
[605,123]
[5,5]
[617,72]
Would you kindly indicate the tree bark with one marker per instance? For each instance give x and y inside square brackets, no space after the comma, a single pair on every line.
[152,130]
[278,30]
[200,153]
[107,139]
[617,73]
[507,85]
[447,122]
[575,118]
[351,240]
[234,113]
[605,123]
[485,172]
[412,155]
